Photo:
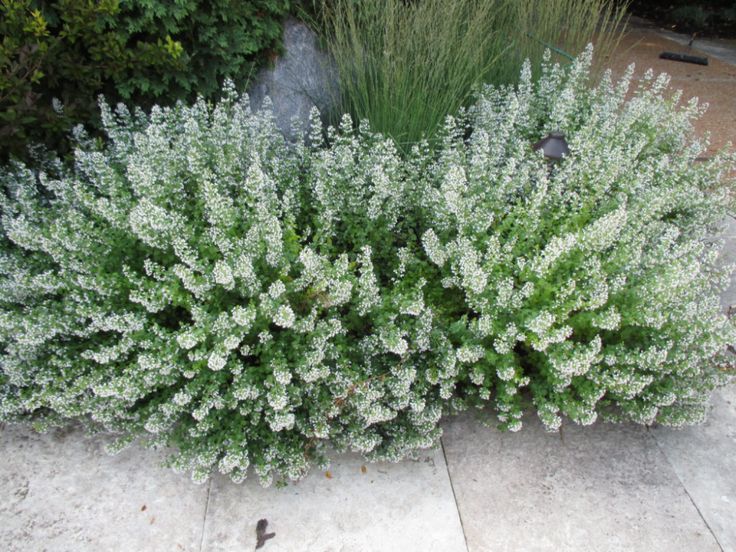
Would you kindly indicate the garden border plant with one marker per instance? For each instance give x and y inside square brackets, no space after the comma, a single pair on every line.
[405,66]
[198,283]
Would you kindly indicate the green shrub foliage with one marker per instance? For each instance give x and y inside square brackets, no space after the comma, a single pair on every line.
[201,284]
[57,56]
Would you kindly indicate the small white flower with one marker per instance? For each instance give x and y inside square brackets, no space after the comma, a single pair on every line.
[223,274]
[285,317]
[216,361]
[276,289]
[186,340]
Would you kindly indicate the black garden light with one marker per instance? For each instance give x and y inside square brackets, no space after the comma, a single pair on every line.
[553,146]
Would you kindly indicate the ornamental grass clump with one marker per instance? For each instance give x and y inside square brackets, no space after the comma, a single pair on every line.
[200,284]
[406,65]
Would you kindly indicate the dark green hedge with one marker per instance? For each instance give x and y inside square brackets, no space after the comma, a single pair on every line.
[142,51]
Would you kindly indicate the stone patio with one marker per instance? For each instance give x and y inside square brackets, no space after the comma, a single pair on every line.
[601,488]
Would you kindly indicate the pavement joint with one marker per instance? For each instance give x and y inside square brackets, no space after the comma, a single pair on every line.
[204,517]
[684,488]
[454,496]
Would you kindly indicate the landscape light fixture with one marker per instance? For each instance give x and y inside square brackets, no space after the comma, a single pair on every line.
[553,146]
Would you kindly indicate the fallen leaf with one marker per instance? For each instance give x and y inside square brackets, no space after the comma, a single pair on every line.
[143,508]
[328,474]
[363,469]
[261,535]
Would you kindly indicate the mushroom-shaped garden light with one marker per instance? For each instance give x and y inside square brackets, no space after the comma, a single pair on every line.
[553,146]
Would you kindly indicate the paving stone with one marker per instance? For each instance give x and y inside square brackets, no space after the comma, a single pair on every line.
[402,507]
[62,493]
[704,458]
[728,255]
[604,488]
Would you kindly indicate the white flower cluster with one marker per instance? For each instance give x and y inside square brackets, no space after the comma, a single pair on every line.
[203,285]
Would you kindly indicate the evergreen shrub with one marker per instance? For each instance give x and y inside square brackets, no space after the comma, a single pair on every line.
[200,284]
[56,56]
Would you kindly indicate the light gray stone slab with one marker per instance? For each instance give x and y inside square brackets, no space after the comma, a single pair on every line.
[61,492]
[728,256]
[303,78]
[704,458]
[604,488]
[402,507]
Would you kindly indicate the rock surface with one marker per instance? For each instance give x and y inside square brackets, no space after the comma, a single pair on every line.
[299,80]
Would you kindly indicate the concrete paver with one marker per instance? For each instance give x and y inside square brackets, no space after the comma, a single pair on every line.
[402,507]
[704,459]
[605,488]
[728,256]
[62,493]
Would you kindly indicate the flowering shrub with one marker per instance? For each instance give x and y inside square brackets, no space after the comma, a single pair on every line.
[201,284]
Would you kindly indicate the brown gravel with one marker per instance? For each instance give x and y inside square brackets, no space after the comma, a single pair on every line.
[714,83]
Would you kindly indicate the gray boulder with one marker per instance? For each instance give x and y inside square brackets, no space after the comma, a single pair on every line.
[302,78]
